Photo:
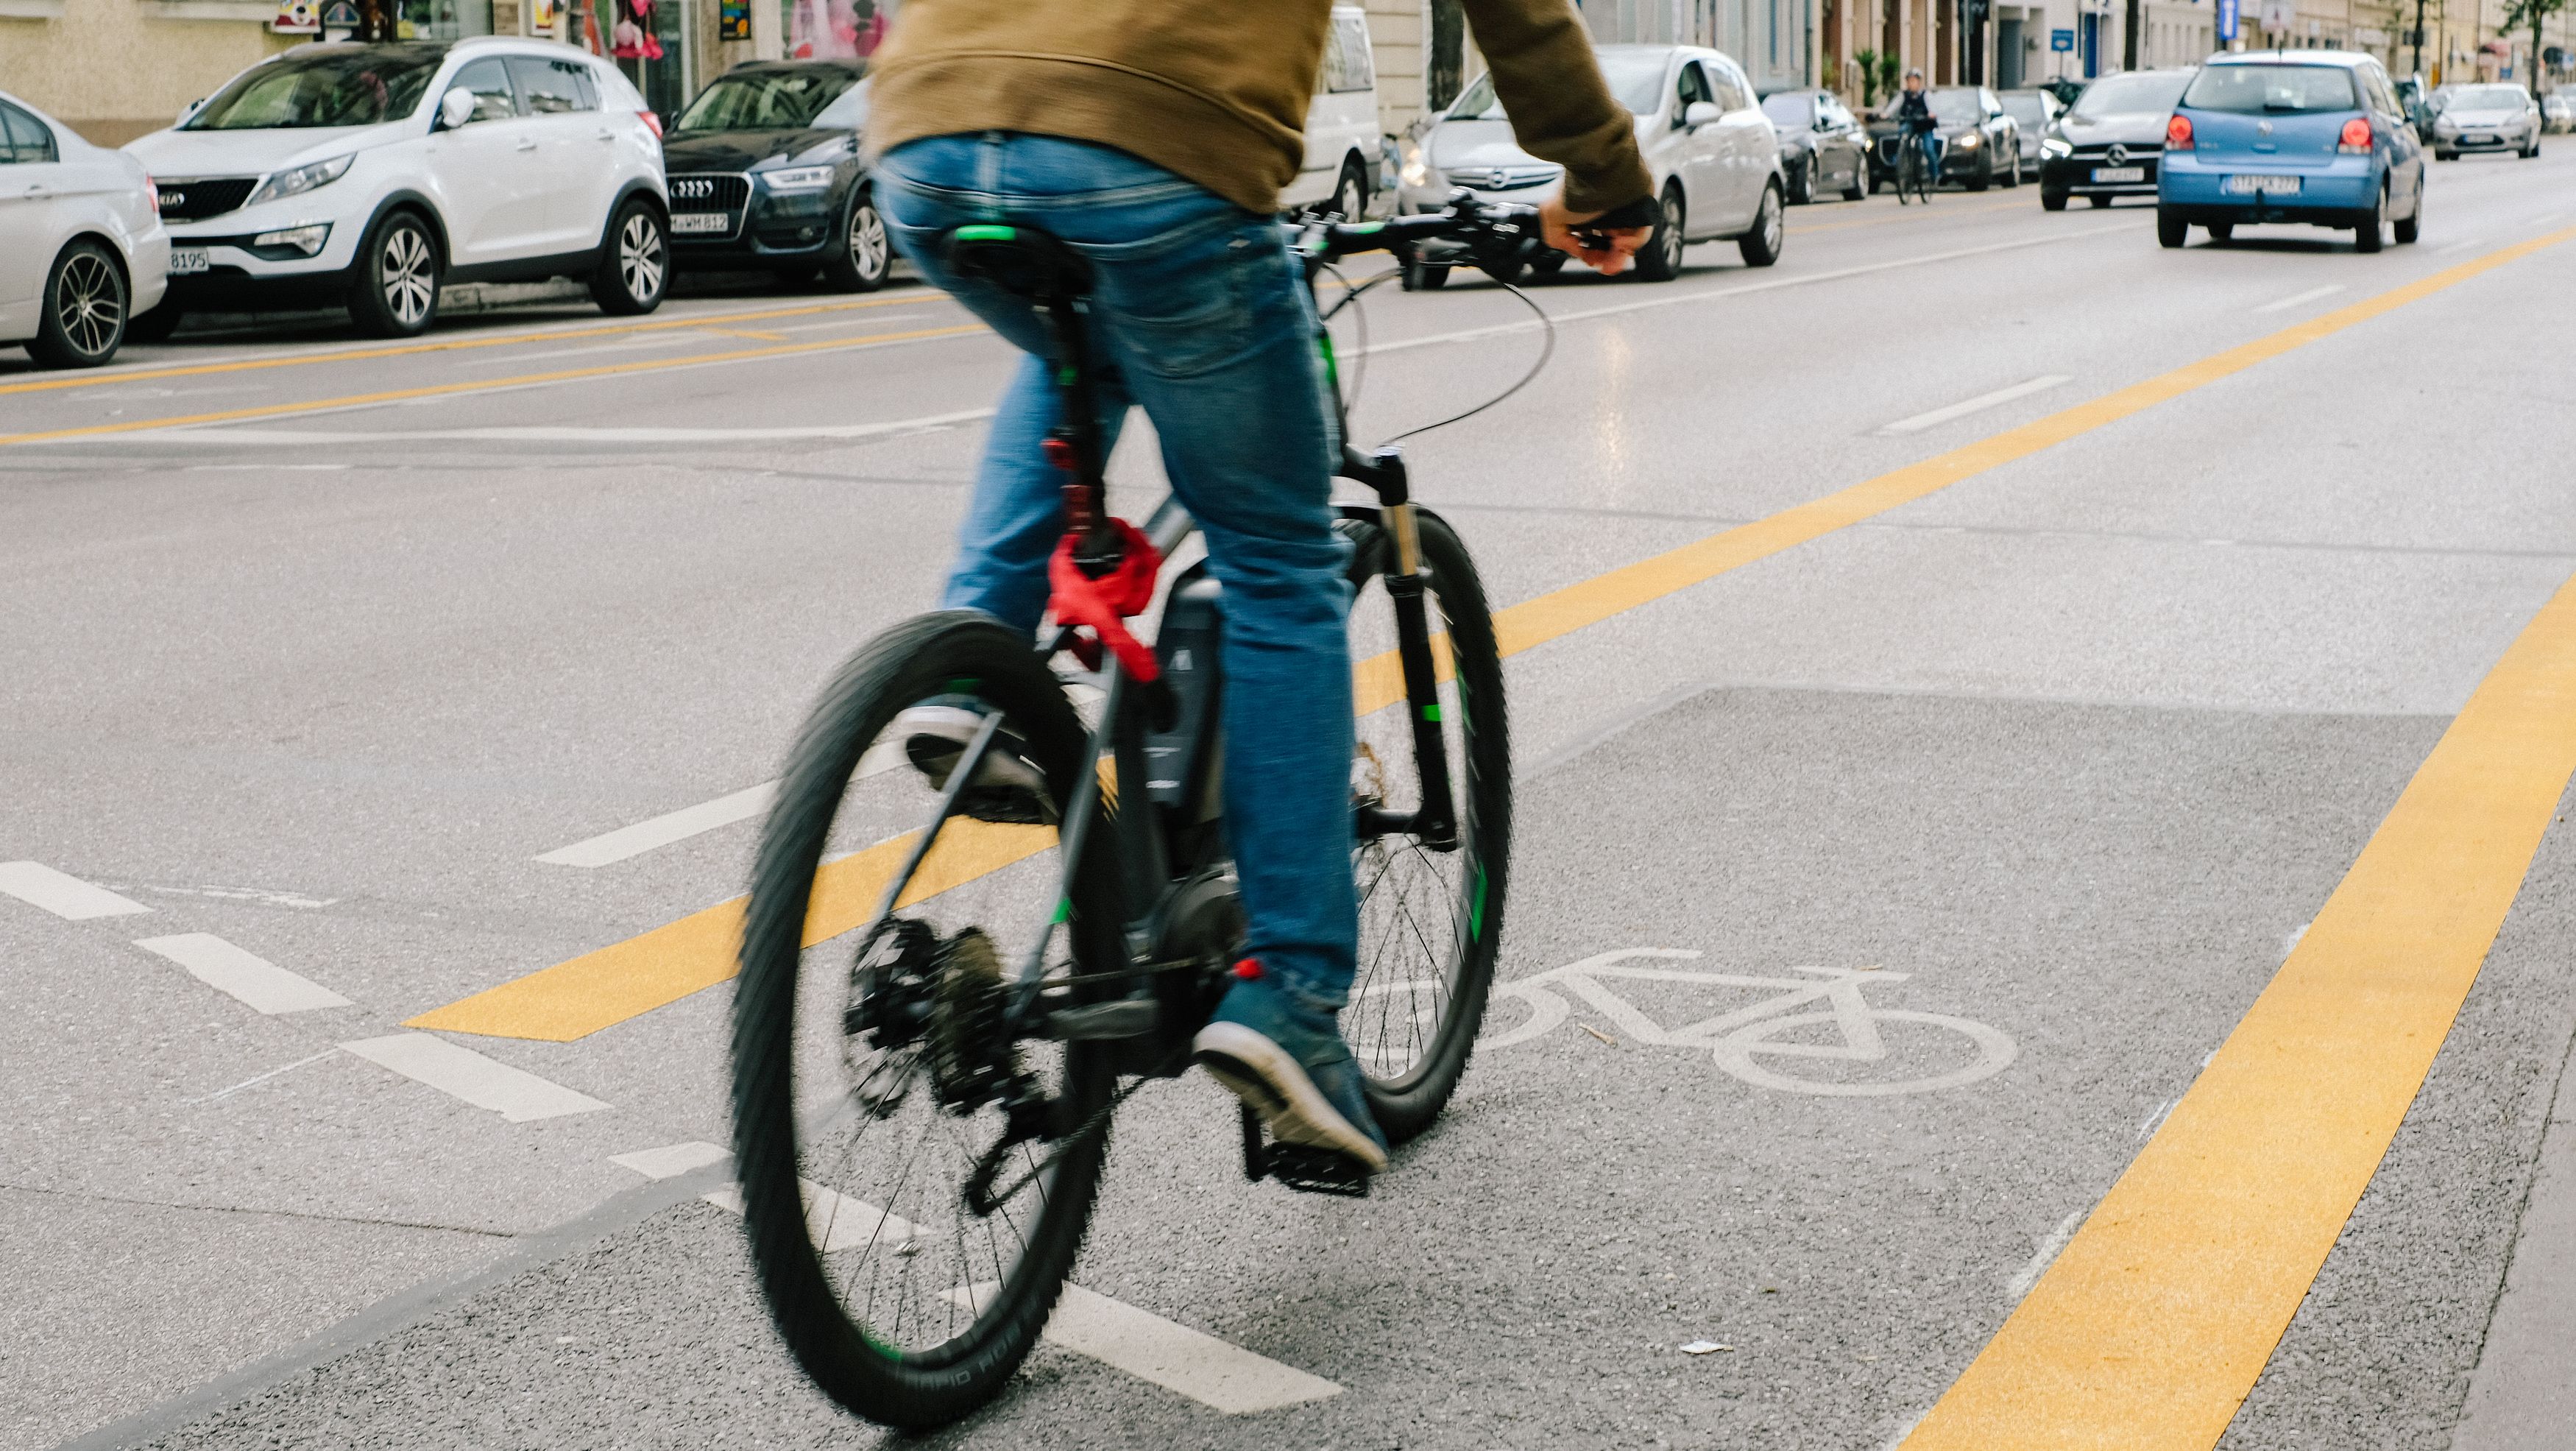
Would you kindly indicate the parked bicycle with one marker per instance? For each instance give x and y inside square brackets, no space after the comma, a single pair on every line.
[921,1123]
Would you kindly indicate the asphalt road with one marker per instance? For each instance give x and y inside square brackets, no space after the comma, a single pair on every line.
[318,647]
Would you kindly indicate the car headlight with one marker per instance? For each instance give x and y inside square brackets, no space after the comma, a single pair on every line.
[2055,146]
[294,241]
[797,178]
[1416,171]
[1967,141]
[2445,126]
[301,179]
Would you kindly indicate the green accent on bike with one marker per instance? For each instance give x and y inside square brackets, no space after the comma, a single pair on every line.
[987,234]
[964,685]
[1363,229]
[1431,713]
[1063,909]
[1332,369]
[1476,910]
[1064,377]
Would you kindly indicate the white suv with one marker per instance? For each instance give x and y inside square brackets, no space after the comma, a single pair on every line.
[370,174]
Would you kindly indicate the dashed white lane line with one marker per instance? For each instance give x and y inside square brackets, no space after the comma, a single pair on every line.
[460,1072]
[1145,1345]
[644,836]
[2462,245]
[1173,1356]
[1978,404]
[2297,298]
[68,897]
[260,984]
[2028,1275]
[671,1160]
[706,816]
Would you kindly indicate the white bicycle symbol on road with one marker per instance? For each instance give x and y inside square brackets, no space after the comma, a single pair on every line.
[1737,1039]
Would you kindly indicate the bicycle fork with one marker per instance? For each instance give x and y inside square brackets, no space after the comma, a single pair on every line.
[1435,823]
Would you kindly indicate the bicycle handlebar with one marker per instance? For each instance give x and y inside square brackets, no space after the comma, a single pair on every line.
[1492,231]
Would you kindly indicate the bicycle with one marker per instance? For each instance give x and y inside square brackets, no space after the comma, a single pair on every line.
[920,1127]
[1914,168]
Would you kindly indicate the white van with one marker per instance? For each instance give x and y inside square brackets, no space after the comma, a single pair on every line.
[1340,171]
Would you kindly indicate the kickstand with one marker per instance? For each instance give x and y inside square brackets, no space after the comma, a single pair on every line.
[1299,1167]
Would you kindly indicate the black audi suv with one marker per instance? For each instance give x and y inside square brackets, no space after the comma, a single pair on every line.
[765,173]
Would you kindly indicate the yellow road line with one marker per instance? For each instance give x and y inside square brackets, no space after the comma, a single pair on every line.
[1378,681]
[484,385]
[573,999]
[2154,1321]
[452,345]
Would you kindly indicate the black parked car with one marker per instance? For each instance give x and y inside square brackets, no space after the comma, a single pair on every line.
[1978,140]
[2107,143]
[765,172]
[1822,147]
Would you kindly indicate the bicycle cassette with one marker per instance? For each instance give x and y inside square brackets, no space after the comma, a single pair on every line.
[970,1058]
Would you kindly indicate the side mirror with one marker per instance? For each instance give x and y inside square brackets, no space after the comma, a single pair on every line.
[455,109]
[1700,113]
[190,109]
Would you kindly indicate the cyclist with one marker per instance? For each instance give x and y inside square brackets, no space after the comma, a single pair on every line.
[1915,126]
[1154,137]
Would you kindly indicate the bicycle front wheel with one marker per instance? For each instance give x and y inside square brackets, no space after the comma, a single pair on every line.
[915,1182]
[1430,920]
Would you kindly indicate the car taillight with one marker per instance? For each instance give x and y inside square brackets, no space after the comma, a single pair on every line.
[653,121]
[152,190]
[2178,133]
[2356,138]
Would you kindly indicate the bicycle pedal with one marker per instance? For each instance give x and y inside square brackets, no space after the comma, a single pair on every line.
[1301,1167]
[1317,1171]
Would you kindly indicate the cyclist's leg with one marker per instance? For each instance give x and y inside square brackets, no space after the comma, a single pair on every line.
[1016,515]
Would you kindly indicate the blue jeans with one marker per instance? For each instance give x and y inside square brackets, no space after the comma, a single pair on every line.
[1931,158]
[1199,317]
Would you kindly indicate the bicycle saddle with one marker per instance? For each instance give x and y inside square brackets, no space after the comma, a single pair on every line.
[1020,260]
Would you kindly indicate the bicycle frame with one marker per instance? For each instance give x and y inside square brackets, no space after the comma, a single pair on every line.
[1157,865]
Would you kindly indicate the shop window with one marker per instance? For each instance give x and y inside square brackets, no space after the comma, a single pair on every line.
[835,29]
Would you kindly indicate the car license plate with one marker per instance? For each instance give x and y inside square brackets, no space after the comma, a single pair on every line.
[184,260]
[2119,173]
[684,223]
[2250,185]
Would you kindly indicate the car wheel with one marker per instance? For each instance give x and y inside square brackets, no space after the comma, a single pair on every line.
[1660,260]
[2171,229]
[2413,226]
[84,308]
[1985,178]
[2222,231]
[1506,273]
[634,261]
[397,287]
[2099,202]
[2367,237]
[2051,199]
[865,256]
[1424,277]
[155,326]
[1802,185]
[1349,200]
[2012,174]
[1547,266]
[1761,246]
[2446,156]
[1860,185]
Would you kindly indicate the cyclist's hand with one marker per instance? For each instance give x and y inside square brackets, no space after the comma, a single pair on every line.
[1556,226]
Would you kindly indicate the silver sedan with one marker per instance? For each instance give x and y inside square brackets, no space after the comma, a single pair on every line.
[2490,117]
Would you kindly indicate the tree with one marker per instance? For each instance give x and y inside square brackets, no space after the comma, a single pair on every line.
[2520,13]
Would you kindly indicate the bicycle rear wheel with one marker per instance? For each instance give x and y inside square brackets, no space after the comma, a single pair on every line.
[915,1186]
[1430,921]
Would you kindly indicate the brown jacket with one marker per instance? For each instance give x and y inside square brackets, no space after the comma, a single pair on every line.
[1216,90]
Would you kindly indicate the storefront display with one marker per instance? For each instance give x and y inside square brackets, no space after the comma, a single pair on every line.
[836,29]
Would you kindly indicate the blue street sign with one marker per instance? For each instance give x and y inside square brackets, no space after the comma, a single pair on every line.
[2065,39]
[2226,21]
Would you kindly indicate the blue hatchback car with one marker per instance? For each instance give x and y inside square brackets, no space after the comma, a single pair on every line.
[2313,136]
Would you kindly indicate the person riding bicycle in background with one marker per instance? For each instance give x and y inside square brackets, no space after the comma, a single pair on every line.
[1153,136]
[1916,126]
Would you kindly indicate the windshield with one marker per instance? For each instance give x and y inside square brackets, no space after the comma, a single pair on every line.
[2485,98]
[765,100]
[1958,107]
[1789,110]
[1636,78]
[2024,108]
[2272,90]
[355,87]
[2141,91]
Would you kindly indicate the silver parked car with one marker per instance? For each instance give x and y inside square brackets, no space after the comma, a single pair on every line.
[2033,112]
[1713,154]
[2491,116]
[2558,111]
